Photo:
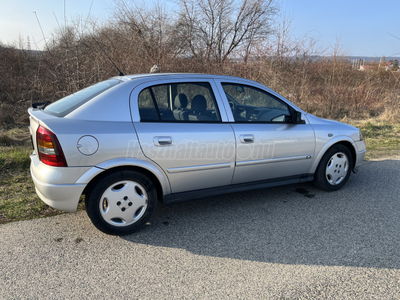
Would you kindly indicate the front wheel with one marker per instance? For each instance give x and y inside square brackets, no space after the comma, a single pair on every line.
[122,202]
[334,168]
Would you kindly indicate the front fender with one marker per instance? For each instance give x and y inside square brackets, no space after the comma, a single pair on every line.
[127,162]
[329,144]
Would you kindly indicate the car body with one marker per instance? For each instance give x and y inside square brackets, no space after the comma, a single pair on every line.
[132,140]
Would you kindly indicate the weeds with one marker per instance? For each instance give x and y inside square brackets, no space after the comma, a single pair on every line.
[18,199]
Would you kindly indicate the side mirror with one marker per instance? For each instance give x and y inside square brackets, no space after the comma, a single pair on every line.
[299,118]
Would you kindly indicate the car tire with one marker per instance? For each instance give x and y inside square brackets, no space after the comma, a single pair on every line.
[334,168]
[122,202]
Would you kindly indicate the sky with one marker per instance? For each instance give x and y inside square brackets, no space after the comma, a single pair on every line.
[362,27]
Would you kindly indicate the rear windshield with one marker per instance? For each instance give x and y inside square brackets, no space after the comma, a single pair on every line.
[64,106]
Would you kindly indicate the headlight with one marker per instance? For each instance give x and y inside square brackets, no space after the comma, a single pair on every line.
[361,135]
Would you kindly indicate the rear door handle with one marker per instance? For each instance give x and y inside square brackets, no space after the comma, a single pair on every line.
[247,138]
[161,141]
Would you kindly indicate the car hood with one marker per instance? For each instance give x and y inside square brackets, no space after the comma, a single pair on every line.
[335,128]
[319,121]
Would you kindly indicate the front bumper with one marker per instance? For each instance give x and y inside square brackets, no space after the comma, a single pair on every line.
[360,154]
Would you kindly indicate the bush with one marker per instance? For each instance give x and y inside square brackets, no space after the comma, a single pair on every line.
[137,39]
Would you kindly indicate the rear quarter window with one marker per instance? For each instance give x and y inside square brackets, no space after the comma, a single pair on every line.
[68,104]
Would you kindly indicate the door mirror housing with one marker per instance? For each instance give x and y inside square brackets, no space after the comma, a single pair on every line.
[299,118]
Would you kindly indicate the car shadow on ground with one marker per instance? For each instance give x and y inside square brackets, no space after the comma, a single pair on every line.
[298,224]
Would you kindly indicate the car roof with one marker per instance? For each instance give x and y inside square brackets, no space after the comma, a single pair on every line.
[189,76]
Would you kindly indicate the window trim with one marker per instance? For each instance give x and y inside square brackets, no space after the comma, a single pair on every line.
[291,110]
[178,82]
[153,97]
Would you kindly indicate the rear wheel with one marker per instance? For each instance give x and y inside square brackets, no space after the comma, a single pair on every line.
[334,168]
[122,202]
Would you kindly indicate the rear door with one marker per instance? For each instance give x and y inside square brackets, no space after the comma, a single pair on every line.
[269,145]
[186,138]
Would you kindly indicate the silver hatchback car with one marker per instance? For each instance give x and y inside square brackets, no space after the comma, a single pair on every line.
[130,141]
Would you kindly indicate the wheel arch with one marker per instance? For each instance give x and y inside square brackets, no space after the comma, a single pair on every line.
[352,151]
[156,175]
[347,142]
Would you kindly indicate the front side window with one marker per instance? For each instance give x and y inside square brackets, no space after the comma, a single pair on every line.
[178,102]
[249,104]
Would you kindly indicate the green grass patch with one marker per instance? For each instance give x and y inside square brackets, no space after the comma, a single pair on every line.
[18,199]
[14,158]
[15,149]
[382,138]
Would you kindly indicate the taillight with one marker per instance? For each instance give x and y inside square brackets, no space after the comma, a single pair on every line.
[49,149]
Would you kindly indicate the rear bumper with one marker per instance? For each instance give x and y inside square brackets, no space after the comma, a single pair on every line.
[60,197]
[49,184]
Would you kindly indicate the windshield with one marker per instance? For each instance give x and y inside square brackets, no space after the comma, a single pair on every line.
[64,106]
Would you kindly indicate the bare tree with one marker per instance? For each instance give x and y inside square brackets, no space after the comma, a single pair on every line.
[147,29]
[216,29]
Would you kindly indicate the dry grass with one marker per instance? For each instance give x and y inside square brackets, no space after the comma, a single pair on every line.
[325,86]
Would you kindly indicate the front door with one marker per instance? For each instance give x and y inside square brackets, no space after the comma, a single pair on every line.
[269,145]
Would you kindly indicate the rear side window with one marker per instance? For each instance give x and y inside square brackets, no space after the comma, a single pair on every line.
[178,102]
[64,106]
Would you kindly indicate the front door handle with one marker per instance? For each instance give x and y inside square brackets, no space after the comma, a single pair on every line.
[161,141]
[247,138]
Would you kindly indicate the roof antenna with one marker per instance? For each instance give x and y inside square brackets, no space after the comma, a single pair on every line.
[120,72]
